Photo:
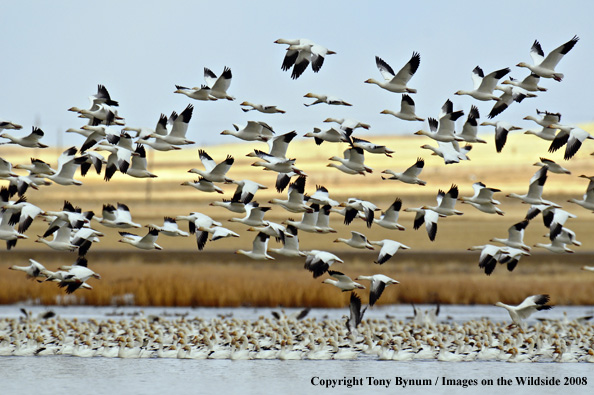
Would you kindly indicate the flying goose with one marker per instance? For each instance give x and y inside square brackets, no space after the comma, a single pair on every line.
[356,313]
[427,217]
[502,128]
[379,282]
[530,83]
[202,184]
[388,250]
[470,128]
[300,53]
[371,147]
[290,243]
[254,215]
[510,94]
[446,202]
[529,306]
[440,131]
[318,262]
[29,141]
[214,172]
[253,131]
[259,247]
[396,82]
[573,136]
[407,110]
[34,270]
[354,205]
[117,218]
[410,175]
[266,109]
[219,85]
[331,100]
[545,66]
[547,118]
[179,128]
[352,162]
[198,93]
[147,242]
[342,282]
[4,124]
[389,218]
[534,194]
[138,165]
[587,200]
[515,238]
[169,228]
[295,202]
[331,135]
[484,85]
[357,240]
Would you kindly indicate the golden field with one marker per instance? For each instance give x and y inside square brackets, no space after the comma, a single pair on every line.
[440,271]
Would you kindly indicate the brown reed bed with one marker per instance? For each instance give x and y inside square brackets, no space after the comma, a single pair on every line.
[215,280]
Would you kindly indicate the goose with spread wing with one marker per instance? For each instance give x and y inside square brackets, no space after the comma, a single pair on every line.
[396,82]
[545,66]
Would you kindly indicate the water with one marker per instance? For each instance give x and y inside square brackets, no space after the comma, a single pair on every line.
[65,374]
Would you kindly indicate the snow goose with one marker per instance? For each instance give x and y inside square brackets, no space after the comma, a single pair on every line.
[534,194]
[389,218]
[253,131]
[565,236]
[7,232]
[273,163]
[34,270]
[202,184]
[78,274]
[22,212]
[138,165]
[99,113]
[179,128]
[356,313]
[232,205]
[203,93]
[510,94]
[254,215]
[331,100]
[556,246]
[554,219]
[587,200]
[219,232]
[92,159]
[530,83]
[353,160]
[147,242]
[370,147]
[545,66]
[259,247]
[552,165]
[354,206]
[439,131]
[323,220]
[450,152]
[266,109]
[278,145]
[300,53]
[9,125]
[357,240]
[529,306]
[331,135]
[482,194]
[502,129]
[246,190]
[407,110]
[388,250]
[219,85]
[290,243]
[547,118]
[342,282]
[446,202]
[410,175]
[29,141]
[61,241]
[396,82]
[470,128]
[489,256]
[511,256]
[515,238]
[588,268]
[318,262]
[322,197]
[214,172]
[573,136]
[308,221]
[348,124]
[295,202]
[117,218]
[84,238]
[169,228]
[545,133]
[427,217]
[271,229]
[484,85]
[378,283]
[6,169]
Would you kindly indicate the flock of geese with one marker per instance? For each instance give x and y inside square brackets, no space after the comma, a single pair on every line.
[125,148]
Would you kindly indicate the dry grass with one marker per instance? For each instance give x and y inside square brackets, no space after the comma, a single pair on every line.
[211,279]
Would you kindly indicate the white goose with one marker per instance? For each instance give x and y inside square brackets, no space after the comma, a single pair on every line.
[552,165]
[259,247]
[450,152]
[407,110]
[295,202]
[353,160]
[169,228]
[265,109]
[117,218]
[357,240]
[427,217]
[179,128]
[318,262]
[254,215]
[300,53]
[534,194]
[138,165]
[253,131]
[502,128]
[330,100]
[515,238]
[388,250]
[202,184]
[67,165]
[290,243]
[410,175]
[529,306]
[34,270]
[446,202]
[489,256]
[202,93]
[389,219]
[484,85]
[545,66]
[147,242]
[214,172]
[573,136]
[587,200]
[510,94]
[557,246]
[342,282]
[61,240]
[379,282]
[440,131]
[396,82]
[4,124]
[219,85]
[29,141]
[331,135]
[530,83]
[470,128]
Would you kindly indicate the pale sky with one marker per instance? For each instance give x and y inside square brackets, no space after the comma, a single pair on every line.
[56,52]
